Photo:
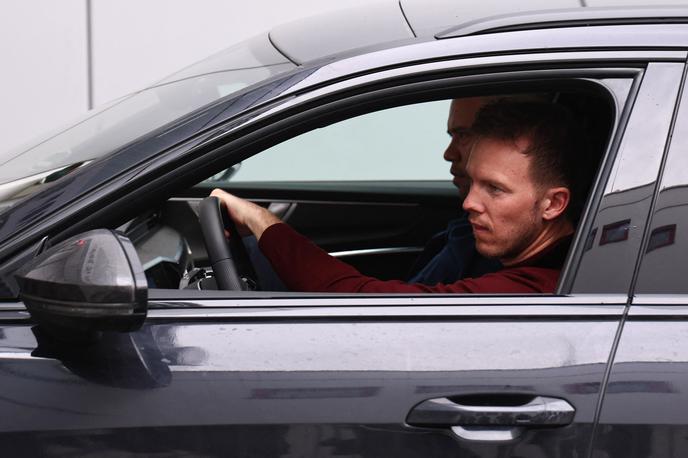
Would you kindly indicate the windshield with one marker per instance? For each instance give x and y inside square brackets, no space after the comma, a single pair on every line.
[107,128]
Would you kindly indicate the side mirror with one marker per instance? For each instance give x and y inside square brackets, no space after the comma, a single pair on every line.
[88,283]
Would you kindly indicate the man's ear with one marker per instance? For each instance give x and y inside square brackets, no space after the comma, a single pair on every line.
[554,202]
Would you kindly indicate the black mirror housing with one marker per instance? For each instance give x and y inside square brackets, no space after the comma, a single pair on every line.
[91,282]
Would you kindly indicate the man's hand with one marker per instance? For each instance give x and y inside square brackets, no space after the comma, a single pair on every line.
[248,217]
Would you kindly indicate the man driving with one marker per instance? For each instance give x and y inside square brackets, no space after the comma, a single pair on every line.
[521,171]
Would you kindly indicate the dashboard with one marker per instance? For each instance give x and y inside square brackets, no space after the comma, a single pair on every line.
[169,243]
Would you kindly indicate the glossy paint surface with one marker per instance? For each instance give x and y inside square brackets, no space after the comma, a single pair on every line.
[644,406]
[313,387]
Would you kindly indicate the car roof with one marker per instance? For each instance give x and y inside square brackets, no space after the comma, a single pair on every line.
[578,17]
[329,34]
[429,17]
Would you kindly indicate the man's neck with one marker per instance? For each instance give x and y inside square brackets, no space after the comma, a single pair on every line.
[548,237]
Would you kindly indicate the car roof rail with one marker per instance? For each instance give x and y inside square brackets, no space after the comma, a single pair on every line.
[569,17]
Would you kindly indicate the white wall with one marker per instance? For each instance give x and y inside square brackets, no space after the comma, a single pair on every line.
[43,77]
[43,50]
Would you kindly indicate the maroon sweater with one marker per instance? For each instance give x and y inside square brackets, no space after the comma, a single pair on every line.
[303,266]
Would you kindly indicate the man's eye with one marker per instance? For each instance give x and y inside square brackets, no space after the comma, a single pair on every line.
[492,189]
[465,135]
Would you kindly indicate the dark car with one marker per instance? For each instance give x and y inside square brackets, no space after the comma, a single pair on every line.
[115,341]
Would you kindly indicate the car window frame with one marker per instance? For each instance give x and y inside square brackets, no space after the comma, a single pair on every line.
[559,295]
[235,142]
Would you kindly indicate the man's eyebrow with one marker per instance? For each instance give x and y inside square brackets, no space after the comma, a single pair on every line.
[458,130]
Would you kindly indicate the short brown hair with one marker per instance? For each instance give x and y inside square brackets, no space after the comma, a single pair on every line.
[557,144]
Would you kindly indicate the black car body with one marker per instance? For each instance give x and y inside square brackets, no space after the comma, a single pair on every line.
[597,369]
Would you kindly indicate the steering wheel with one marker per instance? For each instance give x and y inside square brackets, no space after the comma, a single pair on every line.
[228,257]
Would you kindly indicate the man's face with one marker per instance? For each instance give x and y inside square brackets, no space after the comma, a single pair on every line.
[461,116]
[504,204]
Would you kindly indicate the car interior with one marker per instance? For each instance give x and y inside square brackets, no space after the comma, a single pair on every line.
[367,183]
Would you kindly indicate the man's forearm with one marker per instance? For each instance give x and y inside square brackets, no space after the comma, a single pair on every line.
[261,220]
[247,216]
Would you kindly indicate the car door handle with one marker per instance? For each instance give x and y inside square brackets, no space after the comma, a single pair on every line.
[491,422]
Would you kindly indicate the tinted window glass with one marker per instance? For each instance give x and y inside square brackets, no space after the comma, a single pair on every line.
[613,241]
[666,252]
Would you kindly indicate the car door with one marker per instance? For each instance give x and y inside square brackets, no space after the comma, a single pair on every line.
[299,374]
[643,412]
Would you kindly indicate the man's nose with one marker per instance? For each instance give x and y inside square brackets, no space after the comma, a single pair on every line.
[452,153]
[471,203]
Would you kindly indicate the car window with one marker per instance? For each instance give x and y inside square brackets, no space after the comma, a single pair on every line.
[401,143]
[613,240]
[666,247]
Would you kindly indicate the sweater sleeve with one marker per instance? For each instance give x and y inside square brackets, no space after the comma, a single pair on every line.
[303,266]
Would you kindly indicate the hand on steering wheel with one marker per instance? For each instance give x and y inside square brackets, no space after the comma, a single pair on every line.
[228,257]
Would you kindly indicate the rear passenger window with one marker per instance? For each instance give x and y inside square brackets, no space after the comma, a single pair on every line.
[666,251]
[614,240]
